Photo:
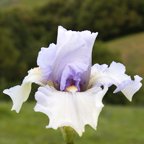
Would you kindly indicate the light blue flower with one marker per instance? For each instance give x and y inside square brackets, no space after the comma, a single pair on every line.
[71,89]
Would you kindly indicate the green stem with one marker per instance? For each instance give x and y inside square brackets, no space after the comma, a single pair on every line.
[68,134]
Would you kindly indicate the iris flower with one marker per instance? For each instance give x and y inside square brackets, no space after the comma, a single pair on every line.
[71,89]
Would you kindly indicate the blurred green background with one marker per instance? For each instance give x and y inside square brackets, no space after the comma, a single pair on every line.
[28,25]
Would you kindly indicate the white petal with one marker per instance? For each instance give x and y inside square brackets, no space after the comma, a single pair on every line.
[115,74]
[70,109]
[132,87]
[20,93]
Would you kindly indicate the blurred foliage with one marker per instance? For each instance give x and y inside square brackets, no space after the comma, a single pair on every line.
[112,18]
[23,31]
[102,55]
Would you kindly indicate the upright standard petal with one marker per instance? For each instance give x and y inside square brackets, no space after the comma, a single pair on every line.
[20,93]
[115,74]
[45,60]
[74,109]
[62,59]
[73,48]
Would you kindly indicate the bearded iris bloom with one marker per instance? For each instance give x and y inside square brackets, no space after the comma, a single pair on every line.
[71,89]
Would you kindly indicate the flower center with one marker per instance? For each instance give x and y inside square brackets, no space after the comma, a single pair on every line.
[71,88]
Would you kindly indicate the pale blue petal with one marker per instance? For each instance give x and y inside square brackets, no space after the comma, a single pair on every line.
[70,58]
[45,60]
[74,52]
[73,72]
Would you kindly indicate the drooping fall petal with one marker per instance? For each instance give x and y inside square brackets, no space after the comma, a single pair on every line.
[74,109]
[20,93]
[115,75]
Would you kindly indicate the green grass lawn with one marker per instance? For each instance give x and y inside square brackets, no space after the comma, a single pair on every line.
[117,125]
[132,51]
